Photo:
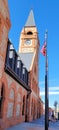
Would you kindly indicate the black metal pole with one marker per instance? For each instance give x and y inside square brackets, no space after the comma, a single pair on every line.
[46,89]
[46,104]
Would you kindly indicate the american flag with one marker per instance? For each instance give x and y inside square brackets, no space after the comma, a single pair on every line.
[43,50]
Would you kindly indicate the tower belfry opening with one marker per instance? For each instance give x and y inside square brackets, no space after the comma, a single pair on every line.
[29,33]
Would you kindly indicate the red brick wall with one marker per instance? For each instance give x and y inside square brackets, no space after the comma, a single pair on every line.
[13,92]
[16,99]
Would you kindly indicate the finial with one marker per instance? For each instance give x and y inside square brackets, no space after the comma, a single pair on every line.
[46,30]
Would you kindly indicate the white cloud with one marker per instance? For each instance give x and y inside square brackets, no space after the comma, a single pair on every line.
[50,93]
[54,93]
[42,93]
[53,88]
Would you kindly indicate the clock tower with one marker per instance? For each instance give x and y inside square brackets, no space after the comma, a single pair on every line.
[29,54]
[29,36]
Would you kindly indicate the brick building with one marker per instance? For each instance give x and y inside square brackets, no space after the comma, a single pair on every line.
[19,90]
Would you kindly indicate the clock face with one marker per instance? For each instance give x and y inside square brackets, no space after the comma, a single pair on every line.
[28,42]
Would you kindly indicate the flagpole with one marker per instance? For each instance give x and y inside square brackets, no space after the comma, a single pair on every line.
[46,86]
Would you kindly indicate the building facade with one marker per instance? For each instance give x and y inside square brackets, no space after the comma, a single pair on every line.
[19,90]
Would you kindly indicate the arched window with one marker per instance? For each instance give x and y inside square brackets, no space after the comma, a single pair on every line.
[1,99]
[23,107]
[11,95]
[29,33]
[11,104]
[32,107]
[18,110]
[19,97]
[18,107]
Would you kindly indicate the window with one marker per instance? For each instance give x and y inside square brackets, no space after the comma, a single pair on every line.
[18,66]
[23,72]
[11,51]
[11,104]
[23,107]
[11,95]
[26,76]
[18,110]
[11,56]
[10,109]
[29,33]
[19,97]
[1,100]
[15,62]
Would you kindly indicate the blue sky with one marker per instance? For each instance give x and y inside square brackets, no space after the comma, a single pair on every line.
[46,13]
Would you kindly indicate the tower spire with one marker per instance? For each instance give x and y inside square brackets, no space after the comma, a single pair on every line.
[30,21]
